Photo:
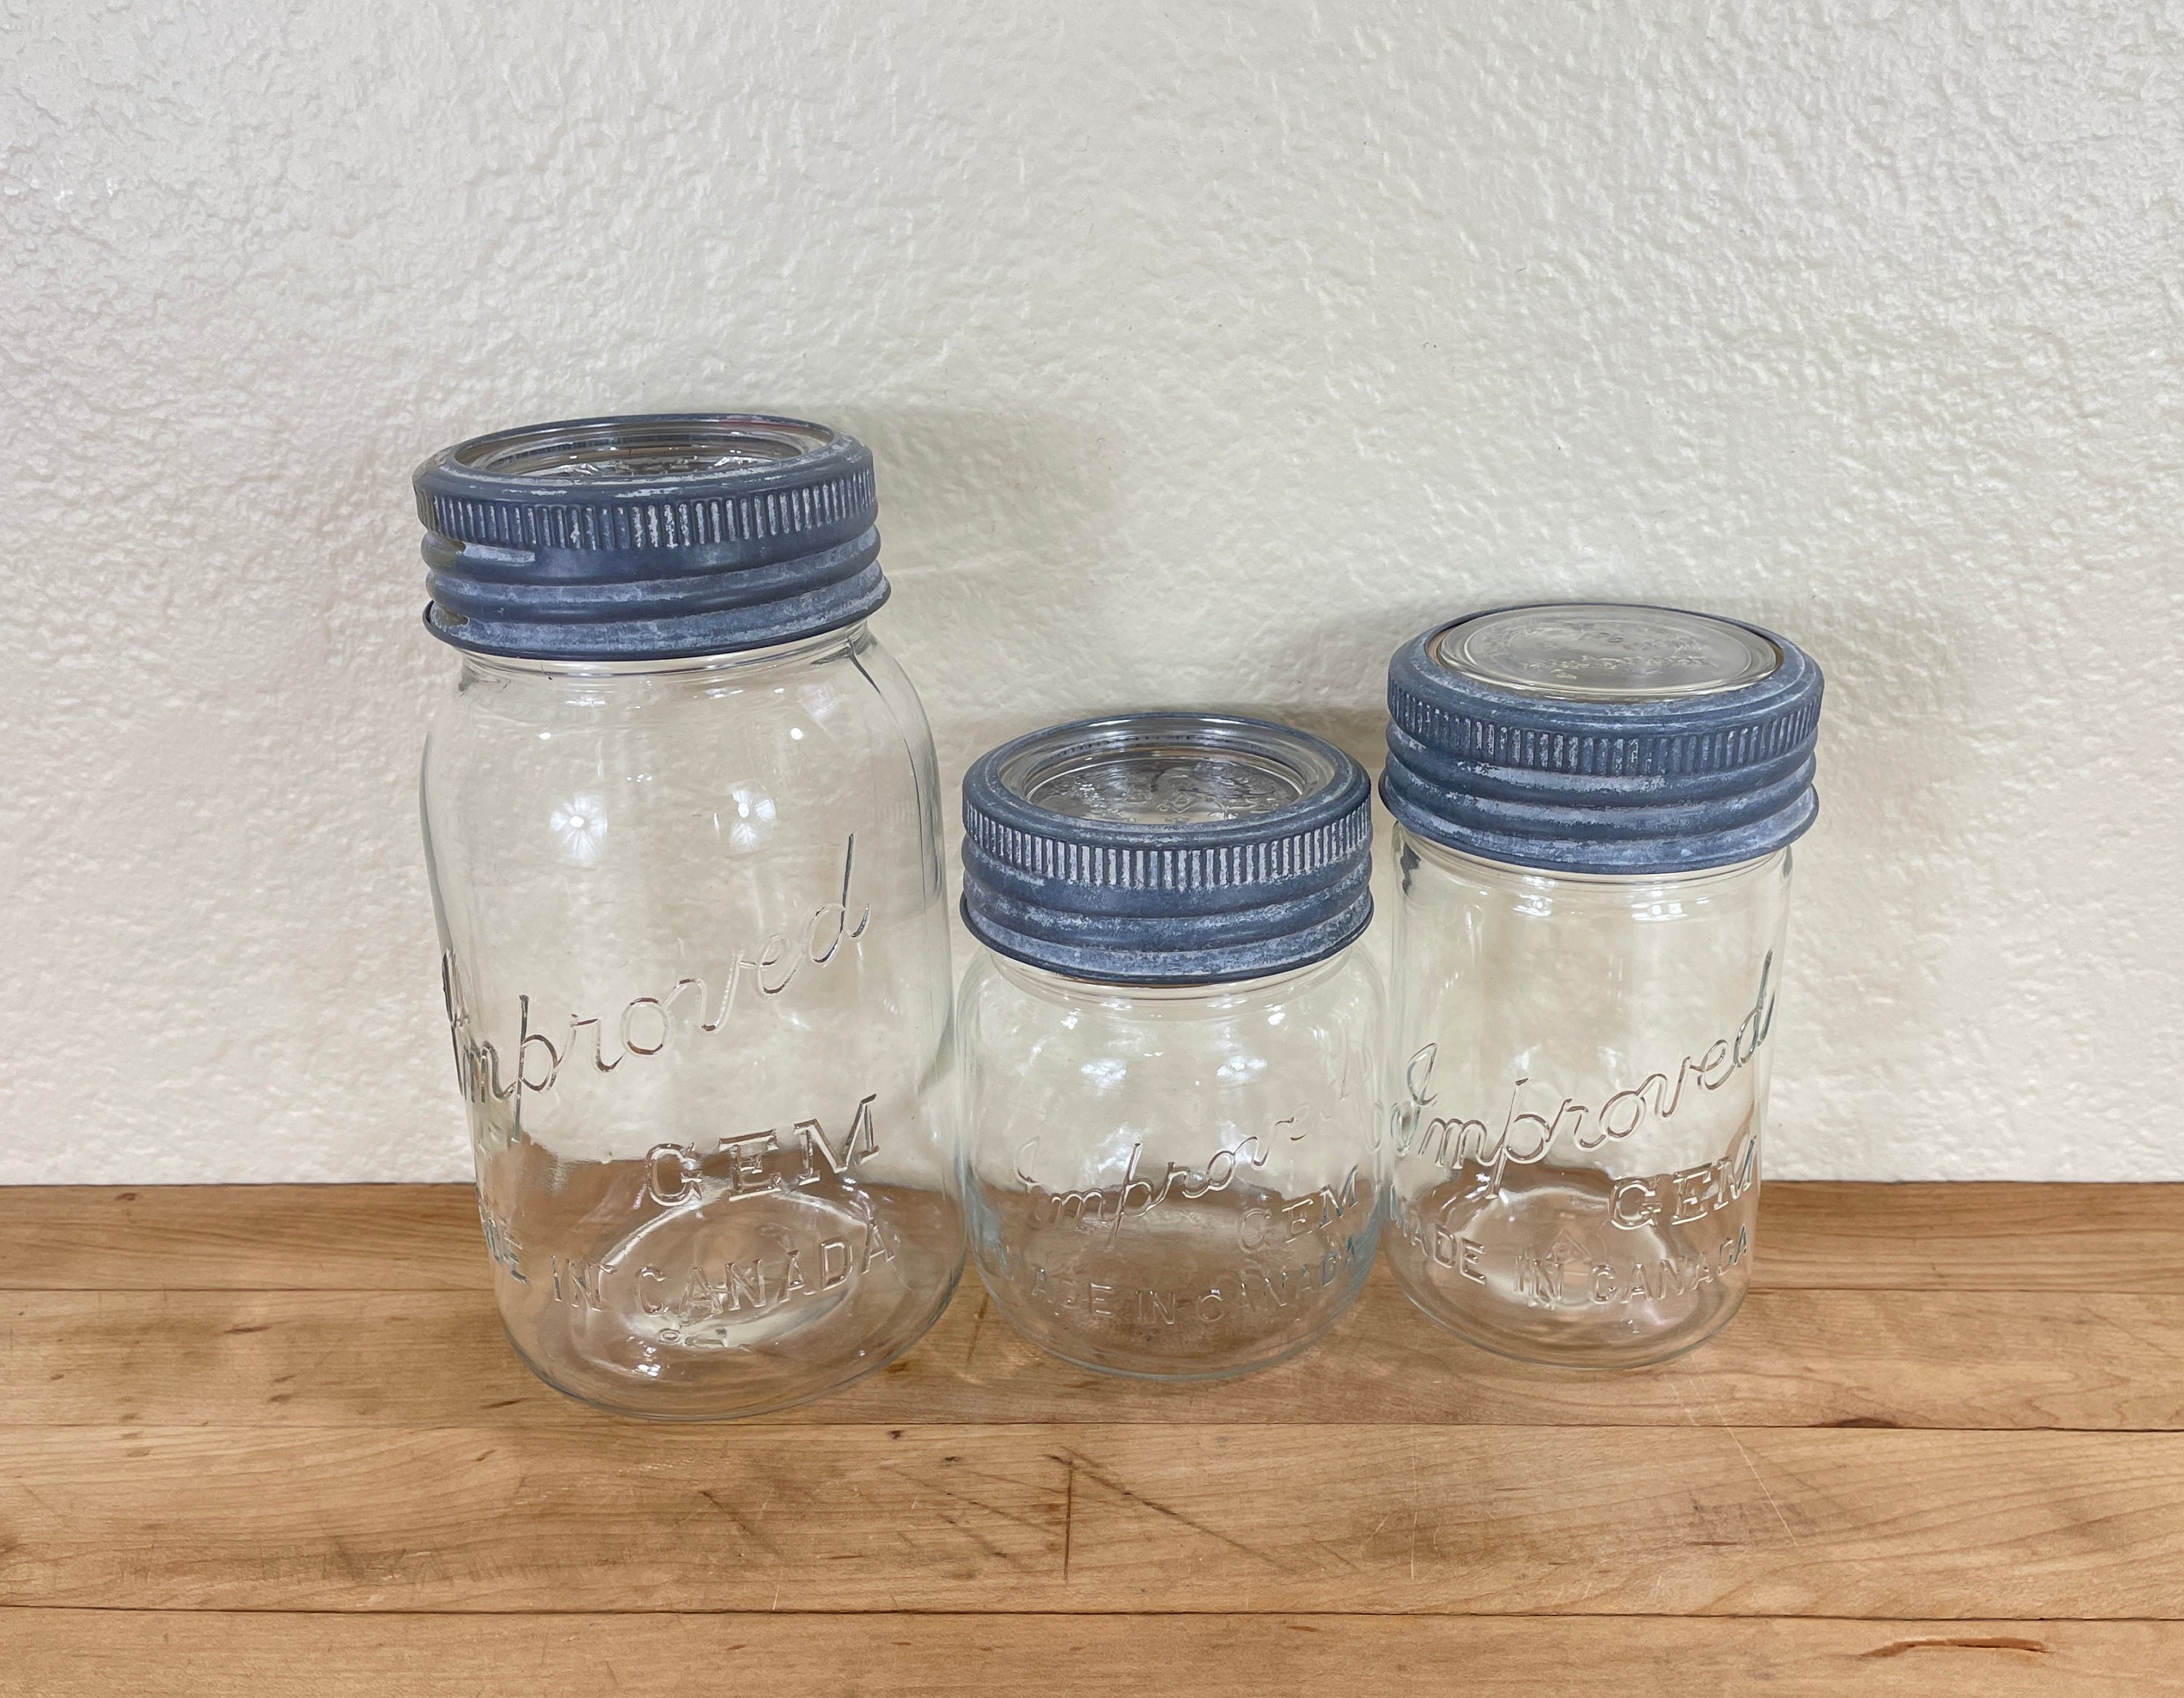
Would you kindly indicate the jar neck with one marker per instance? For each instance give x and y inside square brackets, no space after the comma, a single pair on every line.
[1477,868]
[737,663]
[1061,990]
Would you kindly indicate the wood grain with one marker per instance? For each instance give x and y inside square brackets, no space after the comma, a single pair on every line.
[1666,1520]
[1814,1358]
[270,1440]
[240,1238]
[1972,1238]
[99,1654]
[423,1238]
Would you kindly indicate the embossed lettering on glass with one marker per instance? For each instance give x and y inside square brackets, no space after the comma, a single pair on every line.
[1594,807]
[682,821]
[1169,1046]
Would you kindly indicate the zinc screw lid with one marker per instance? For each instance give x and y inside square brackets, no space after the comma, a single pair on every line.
[1593,737]
[1168,848]
[648,536]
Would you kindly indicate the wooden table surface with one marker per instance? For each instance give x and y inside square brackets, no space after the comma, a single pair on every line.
[269,1439]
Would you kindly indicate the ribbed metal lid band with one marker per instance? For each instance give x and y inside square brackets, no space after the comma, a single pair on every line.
[609,601]
[1170,848]
[1641,782]
[1617,754]
[1217,867]
[649,538]
[677,523]
[1461,784]
[1186,959]
[722,630]
[1448,816]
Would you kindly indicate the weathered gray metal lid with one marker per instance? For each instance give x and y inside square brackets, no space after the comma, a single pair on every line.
[1591,737]
[1168,848]
[650,537]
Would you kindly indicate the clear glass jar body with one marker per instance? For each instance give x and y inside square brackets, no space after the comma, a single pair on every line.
[1177,1183]
[1580,1083]
[696,971]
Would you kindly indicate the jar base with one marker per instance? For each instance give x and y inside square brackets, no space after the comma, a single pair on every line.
[723,1308]
[1126,1364]
[1583,1354]
[607,1404]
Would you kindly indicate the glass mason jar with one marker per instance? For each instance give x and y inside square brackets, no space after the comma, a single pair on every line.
[681,813]
[1594,806]
[1170,1047]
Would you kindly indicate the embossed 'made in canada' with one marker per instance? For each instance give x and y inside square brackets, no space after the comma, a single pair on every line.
[681,813]
[1595,806]
[1172,1157]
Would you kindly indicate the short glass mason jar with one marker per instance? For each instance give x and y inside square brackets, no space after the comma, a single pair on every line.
[1594,806]
[1170,1047]
[681,818]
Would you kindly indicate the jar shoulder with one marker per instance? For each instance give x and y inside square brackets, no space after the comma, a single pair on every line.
[837,714]
[1004,1005]
[699,783]
[858,673]
[1431,876]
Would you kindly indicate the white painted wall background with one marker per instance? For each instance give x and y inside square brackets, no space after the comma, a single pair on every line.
[1207,350]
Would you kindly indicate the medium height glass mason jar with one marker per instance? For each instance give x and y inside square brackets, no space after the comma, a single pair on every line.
[1594,806]
[681,818]
[1169,1044]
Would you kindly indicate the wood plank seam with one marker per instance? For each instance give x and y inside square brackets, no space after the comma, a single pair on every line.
[1942,1451]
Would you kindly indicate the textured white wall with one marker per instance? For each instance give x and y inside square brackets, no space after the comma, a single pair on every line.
[1208,351]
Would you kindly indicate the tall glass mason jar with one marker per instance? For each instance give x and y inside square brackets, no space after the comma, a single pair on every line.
[1593,804]
[1170,1047]
[681,818]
